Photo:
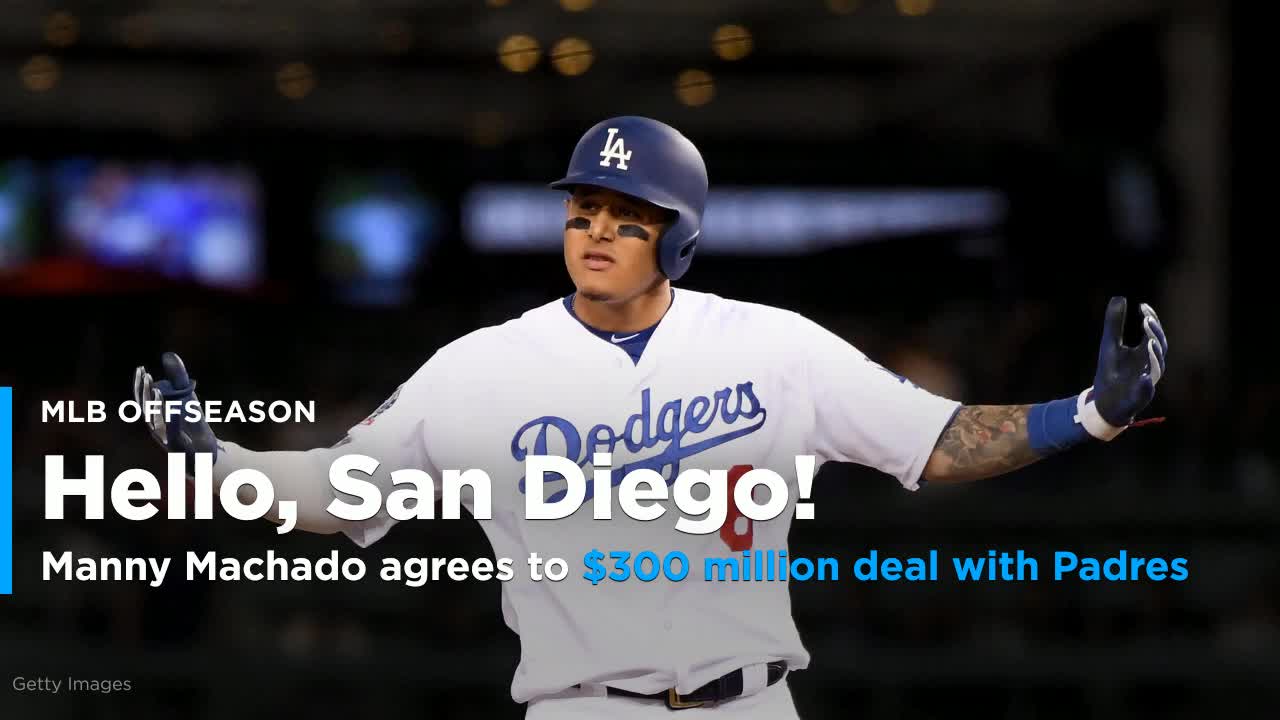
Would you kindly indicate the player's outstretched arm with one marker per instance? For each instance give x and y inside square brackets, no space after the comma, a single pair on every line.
[295,475]
[983,441]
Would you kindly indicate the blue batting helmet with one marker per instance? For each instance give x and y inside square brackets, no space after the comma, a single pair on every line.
[652,161]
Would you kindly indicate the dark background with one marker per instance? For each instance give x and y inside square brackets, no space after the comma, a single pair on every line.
[1049,103]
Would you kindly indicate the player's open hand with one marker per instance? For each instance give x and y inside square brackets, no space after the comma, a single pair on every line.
[1127,375]
[174,429]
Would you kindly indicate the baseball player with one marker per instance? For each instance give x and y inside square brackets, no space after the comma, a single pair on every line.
[665,379]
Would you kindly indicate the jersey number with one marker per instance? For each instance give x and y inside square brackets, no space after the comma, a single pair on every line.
[738,530]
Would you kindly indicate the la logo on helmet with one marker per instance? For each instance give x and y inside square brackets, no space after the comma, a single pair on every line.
[614,149]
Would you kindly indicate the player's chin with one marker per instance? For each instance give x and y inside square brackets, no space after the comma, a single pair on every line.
[596,292]
[591,288]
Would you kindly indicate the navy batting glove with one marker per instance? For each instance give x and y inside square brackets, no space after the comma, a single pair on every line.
[176,432]
[1126,378]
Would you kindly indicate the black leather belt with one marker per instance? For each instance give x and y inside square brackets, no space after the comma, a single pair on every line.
[722,688]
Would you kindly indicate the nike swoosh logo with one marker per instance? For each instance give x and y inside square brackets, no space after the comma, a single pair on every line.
[616,339]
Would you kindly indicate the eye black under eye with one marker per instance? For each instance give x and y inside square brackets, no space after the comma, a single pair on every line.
[633,231]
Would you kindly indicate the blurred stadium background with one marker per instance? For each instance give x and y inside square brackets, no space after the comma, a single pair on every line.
[305,199]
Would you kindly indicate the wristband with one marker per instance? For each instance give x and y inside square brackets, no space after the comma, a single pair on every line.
[1061,424]
[1053,426]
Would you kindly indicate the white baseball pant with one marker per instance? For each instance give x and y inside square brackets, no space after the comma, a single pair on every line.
[772,703]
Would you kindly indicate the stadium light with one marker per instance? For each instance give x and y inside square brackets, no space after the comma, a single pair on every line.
[695,87]
[519,53]
[40,73]
[295,80]
[62,29]
[731,42]
[572,56]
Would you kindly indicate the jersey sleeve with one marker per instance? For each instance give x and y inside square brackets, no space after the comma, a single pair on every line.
[393,434]
[866,414]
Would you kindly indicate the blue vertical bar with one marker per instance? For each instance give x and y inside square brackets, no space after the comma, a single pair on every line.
[6,491]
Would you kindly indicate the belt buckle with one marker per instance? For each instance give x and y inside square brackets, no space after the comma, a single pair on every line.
[675,703]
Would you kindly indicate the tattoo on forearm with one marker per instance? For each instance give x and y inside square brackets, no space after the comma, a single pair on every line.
[982,441]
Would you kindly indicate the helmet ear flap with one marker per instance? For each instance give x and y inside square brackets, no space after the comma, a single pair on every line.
[677,248]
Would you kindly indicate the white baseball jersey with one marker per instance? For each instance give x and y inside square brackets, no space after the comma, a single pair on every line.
[720,384]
